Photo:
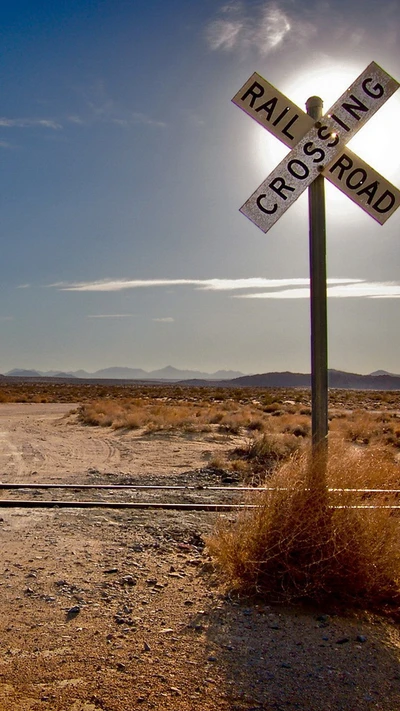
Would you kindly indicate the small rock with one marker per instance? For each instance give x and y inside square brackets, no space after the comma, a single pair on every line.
[342,640]
[211,658]
[167,630]
[175,690]
[121,667]
[361,638]
[109,571]
[146,647]
[75,610]
[128,580]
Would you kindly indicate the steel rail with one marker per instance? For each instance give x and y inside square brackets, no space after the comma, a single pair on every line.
[15,503]
[155,487]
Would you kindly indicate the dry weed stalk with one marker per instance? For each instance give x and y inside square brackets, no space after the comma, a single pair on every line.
[296,545]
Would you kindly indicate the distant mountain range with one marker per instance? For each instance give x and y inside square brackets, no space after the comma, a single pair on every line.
[378,380]
[336,379]
[167,373]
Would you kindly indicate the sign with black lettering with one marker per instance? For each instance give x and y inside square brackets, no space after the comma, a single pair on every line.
[273,110]
[316,151]
[363,185]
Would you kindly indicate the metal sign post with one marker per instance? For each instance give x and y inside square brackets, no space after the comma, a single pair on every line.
[318,311]
[317,144]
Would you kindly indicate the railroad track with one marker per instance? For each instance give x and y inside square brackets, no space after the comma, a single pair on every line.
[190,497]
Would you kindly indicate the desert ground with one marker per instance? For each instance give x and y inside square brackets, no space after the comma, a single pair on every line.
[118,609]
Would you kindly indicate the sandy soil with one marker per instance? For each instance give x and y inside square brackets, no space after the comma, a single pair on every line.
[118,610]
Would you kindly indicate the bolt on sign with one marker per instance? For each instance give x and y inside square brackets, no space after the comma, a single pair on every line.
[318,147]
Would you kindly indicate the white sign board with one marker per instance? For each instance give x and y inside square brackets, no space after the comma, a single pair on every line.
[363,185]
[316,151]
[273,110]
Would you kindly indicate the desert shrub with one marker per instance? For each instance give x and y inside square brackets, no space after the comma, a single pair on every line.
[263,454]
[256,425]
[296,545]
[217,462]
[272,407]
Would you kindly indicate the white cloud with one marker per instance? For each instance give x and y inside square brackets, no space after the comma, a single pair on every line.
[166,319]
[292,288]
[369,290]
[121,284]
[101,107]
[75,119]
[273,28]
[264,28]
[224,34]
[202,284]
[29,123]
[110,315]
[6,318]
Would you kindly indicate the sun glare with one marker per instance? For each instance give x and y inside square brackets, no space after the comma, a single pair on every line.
[374,141]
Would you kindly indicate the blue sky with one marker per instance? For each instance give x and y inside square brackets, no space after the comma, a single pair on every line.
[124,165]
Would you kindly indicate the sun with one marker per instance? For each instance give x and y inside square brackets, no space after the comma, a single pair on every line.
[374,141]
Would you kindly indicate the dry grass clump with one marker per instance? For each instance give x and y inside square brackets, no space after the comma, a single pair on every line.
[363,427]
[162,413]
[295,545]
[261,455]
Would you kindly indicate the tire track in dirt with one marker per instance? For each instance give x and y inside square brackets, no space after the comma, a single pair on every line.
[46,443]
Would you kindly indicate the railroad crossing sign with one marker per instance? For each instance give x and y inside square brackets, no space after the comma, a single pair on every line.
[318,151]
[318,147]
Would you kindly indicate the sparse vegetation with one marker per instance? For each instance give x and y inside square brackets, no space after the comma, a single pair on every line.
[261,455]
[295,545]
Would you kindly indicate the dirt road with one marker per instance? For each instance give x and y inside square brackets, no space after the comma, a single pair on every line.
[118,610]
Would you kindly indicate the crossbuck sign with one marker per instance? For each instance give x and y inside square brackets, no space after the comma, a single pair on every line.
[318,151]
[318,147]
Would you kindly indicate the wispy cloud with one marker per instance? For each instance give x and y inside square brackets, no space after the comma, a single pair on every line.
[29,123]
[201,284]
[100,107]
[111,315]
[5,144]
[166,319]
[23,286]
[264,28]
[365,290]
[6,318]
[120,284]
[292,288]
